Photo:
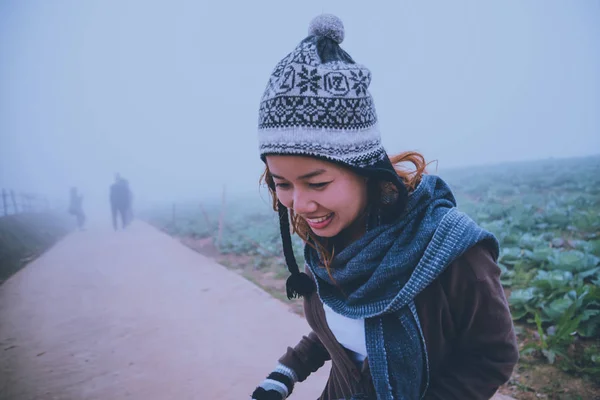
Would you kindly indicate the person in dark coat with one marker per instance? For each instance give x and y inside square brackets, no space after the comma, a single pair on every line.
[120,202]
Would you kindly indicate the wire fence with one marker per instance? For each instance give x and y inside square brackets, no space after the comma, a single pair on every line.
[17,203]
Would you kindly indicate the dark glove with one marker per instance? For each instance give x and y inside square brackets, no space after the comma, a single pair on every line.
[262,394]
[278,385]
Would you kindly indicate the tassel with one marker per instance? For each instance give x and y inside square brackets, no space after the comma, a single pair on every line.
[299,285]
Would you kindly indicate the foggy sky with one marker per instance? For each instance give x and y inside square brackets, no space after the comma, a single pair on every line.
[167,93]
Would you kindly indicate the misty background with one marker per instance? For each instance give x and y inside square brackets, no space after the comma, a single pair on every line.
[167,93]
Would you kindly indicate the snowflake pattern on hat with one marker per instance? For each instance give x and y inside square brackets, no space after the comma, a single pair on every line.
[319,108]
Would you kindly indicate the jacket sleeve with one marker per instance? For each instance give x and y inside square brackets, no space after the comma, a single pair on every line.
[306,357]
[485,349]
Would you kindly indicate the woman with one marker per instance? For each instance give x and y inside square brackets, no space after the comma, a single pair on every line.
[401,290]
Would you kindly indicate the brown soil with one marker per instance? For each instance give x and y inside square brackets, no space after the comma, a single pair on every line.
[538,380]
[534,378]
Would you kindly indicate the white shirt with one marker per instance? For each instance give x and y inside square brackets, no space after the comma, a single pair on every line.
[349,332]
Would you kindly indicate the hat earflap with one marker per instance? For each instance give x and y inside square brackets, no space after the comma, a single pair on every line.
[298,284]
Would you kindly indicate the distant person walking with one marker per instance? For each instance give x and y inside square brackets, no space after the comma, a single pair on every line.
[76,207]
[120,202]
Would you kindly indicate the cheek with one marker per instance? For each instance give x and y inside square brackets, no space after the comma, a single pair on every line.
[350,200]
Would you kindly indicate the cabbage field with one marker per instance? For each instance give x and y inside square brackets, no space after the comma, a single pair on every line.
[546,215]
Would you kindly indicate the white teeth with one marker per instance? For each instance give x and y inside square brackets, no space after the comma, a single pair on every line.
[317,220]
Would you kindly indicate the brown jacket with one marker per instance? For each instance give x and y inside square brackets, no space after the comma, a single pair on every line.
[468,332]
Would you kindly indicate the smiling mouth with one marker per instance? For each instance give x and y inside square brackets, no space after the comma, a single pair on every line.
[319,219]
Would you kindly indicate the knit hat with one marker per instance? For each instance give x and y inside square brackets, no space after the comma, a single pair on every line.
[317,103]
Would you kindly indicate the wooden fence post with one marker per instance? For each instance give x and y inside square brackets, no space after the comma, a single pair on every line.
[4,202]
[221,217]
[14,201]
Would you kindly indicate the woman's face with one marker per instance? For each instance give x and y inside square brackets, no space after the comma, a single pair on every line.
[329,197]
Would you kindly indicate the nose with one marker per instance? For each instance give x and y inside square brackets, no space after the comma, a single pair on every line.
[303,204]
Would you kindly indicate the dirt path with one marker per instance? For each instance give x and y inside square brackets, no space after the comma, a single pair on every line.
[136,315]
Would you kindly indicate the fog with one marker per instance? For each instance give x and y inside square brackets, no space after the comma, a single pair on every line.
[167,93]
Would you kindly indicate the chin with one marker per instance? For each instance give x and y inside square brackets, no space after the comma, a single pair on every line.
[328,232]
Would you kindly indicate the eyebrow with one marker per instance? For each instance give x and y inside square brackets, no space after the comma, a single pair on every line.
[305,176]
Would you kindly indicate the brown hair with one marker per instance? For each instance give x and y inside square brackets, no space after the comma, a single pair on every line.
[378,192]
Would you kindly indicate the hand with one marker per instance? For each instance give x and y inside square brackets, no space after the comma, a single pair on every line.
[278,385]
[262,394]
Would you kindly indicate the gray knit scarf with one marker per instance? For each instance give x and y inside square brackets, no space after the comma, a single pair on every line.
[378,277]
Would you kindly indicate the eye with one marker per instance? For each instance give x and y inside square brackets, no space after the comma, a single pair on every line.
[319,185]
[282,185]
